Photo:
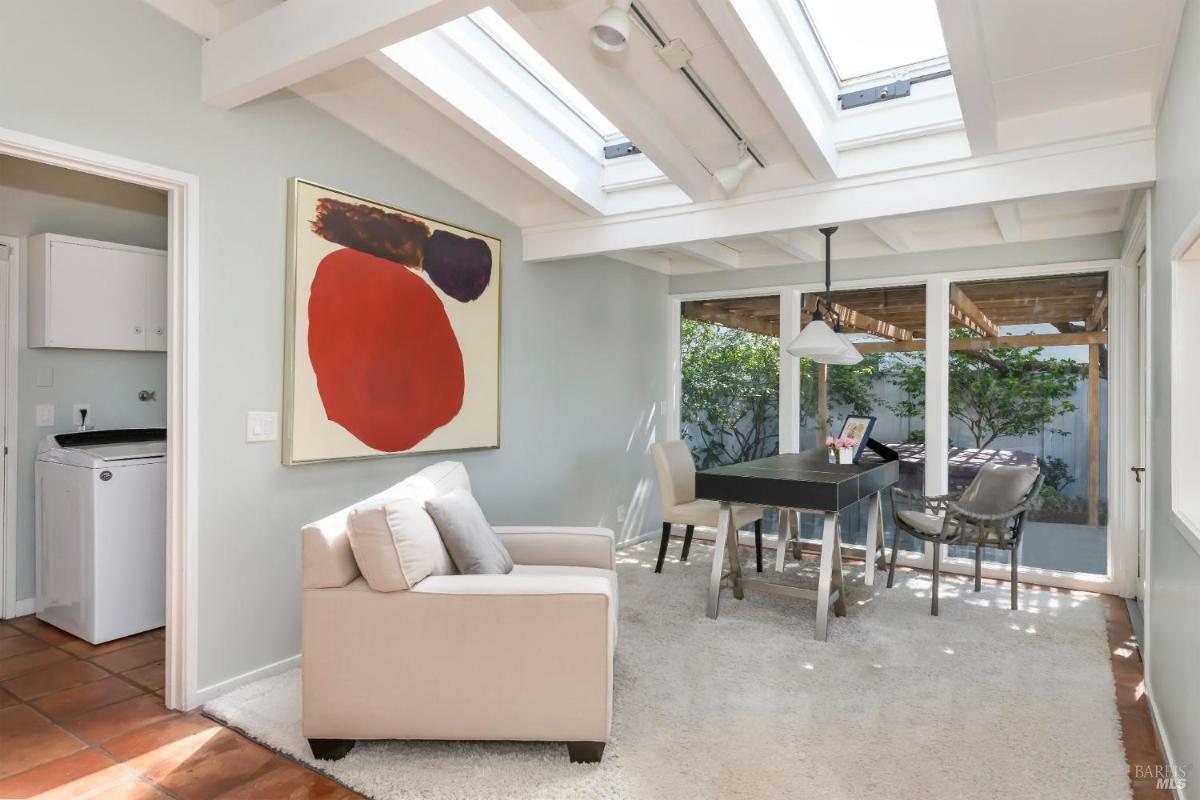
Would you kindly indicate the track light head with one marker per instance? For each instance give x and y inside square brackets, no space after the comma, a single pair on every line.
[610,31]
[730,178]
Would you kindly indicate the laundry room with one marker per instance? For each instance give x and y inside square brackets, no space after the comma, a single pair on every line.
[84,262]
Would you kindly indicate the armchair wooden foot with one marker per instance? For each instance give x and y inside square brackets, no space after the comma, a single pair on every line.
[585,752]
[331,749]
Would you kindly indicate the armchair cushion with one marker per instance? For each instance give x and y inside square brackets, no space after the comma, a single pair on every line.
[396,545]
[473,545]
[997,489]
[923,523]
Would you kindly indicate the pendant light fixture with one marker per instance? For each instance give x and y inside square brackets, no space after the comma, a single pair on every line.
[818,341]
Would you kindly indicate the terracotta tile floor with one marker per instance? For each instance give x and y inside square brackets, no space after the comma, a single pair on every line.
[80,720]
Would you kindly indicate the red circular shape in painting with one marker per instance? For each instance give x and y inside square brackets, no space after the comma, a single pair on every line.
[388,365]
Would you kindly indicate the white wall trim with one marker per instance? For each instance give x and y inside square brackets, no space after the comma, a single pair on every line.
[183,364]
[1160,730]
[23,608]
[9,606]
[1181,359]
[213,691]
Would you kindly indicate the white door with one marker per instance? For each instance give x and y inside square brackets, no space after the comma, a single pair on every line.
[8,554]
[1143,420]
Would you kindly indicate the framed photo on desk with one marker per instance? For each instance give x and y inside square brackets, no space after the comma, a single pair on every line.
[857,428]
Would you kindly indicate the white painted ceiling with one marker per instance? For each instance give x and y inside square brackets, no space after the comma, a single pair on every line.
[1045,77]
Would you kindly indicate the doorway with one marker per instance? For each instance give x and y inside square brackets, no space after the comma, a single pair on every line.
[181,330]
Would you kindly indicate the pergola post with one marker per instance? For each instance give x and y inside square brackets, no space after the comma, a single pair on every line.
[822,403]
[1094,435]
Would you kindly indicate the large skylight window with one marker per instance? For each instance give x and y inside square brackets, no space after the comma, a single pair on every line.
[532,61]
[866,37]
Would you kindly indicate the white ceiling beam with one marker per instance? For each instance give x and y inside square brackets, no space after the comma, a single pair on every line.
[890,234]
[797,106]
[655,262]
[712,253]
[1117,162]
[804,247]
[302,38]
[963,33]
[615,92]
[1008,221]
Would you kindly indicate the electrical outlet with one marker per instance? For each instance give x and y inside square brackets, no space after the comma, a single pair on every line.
[77,415]
[45,416]
[620,513]
[262,426]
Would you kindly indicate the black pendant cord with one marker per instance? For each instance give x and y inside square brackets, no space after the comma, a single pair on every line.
[833,316]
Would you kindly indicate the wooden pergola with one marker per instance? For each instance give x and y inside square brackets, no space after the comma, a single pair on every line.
[1076,306]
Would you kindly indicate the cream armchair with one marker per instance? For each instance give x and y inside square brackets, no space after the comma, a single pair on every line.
[524,656]
[677,490]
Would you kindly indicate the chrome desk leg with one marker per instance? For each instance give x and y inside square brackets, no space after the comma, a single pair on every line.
[724,523]
[829,544]
[838,577]
[735,559]
[785,533]
[874,532]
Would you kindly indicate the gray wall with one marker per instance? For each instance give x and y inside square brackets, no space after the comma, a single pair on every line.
[36,198]
[1050,251]
[1174,587]
[582,342]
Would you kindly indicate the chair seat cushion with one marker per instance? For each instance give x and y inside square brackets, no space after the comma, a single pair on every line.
[927,524]
[705,512]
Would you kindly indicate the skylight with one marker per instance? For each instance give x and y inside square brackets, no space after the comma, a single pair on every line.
[866,37]
[532,61]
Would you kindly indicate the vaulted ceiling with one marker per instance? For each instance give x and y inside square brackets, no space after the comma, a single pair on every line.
[1042,129]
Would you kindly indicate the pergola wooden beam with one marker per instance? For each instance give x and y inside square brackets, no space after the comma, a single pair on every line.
[991,342]
[859,321]
[1095,320]
[964,311]
[745,320]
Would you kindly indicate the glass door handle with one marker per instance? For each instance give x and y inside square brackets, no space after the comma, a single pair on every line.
[1137,472]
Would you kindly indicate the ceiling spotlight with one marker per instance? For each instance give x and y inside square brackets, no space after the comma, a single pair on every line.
[730,178]
[610,31]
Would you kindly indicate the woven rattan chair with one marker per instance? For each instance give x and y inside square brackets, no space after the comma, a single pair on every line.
[990,512]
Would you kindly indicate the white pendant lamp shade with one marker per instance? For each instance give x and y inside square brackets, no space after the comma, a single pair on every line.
[817,341]
[730,178]
[848,355]
[610,31]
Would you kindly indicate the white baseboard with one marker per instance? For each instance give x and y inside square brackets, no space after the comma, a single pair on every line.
[645,537]
[1163,741]
[217,689]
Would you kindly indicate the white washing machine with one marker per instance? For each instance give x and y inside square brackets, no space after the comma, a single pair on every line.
[101,520]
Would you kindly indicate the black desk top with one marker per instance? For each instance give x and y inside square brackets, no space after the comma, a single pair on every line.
[798,480]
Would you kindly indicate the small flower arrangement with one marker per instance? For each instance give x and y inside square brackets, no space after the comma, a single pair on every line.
[841,449]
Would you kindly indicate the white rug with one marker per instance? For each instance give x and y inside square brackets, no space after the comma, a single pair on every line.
[981,702]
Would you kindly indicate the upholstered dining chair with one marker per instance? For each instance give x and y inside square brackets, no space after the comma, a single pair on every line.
[990,512]
[677,490]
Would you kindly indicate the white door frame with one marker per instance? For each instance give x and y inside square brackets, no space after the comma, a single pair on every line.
[8,525]
[1121,423]
[183,322]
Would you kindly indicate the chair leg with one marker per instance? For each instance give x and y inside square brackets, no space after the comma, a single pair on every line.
[687,541]
[585,752]
[1015,604]
[662,548]
[892,565]
[978,567]
[937,565]
[758,544]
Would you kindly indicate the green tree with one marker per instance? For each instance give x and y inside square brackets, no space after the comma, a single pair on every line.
[998,392]
[730,393]
[850,387]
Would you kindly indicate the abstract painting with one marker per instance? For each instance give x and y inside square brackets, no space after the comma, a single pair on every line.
[393,331]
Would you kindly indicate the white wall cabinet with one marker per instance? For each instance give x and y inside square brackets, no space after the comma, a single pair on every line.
[96,295]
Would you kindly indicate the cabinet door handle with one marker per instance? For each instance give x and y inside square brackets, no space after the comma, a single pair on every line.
[137,329]
[158,331]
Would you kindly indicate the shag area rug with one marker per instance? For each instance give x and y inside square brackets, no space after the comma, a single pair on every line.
[980,702]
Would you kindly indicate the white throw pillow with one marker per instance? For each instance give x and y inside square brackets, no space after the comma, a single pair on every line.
[397,545]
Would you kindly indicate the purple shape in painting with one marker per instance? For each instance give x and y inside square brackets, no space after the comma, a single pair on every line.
[460,267]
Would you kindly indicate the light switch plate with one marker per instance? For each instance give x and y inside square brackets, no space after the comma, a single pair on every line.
[45,416]
[262,426]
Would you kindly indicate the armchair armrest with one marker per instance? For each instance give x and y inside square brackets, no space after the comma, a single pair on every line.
[932,504]
[559,546]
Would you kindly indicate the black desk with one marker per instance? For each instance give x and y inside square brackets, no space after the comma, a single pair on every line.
[797,483]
